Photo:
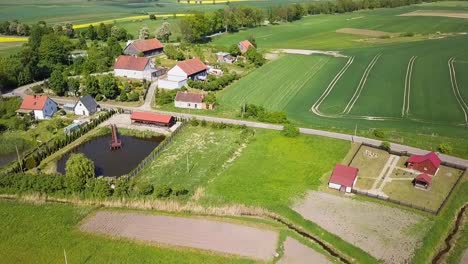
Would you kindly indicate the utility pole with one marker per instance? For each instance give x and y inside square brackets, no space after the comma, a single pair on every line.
[19,159]
[65,255]
[355,130]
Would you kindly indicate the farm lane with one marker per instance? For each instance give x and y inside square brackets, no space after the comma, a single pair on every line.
[309,131]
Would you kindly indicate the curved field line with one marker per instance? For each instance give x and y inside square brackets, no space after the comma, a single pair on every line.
[331,85]
[360,87]
[407,92]
[456,90]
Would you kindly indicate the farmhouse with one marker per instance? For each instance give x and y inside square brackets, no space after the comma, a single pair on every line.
[177,77]
[244,46]
[149,47]
[40,105]
[136,68]
[152,119]
[428,163]
[86,106]
[422,181]
[343,178]
[189,100]
[224,57]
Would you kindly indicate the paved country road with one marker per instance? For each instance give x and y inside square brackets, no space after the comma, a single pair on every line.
[20,91]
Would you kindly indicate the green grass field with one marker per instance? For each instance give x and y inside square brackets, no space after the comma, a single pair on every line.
[41,233]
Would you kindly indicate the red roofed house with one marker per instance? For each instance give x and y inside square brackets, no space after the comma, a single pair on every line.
[428,163]
[189,100]
[244,46]
[140,68]
[343,178]
[422,181]
[149,47]
[177,77]
[152,118]
[40,105]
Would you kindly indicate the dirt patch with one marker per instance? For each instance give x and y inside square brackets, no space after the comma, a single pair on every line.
[385,232]
[186,232]
[296,253]
[464,259]
[441,13]
[363,32]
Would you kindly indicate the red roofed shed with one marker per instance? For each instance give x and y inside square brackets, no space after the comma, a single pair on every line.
[131,63]
[428,163]
[152,118]
[343,178]
[192,66]
[148,47]
[422,180]
[245,45]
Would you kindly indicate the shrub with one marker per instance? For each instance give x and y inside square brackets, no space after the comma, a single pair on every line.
[162,191]
[289,130]
[37,89]
[194,122]
[100,188]
[180,192]
[203,123]
[99,97]
[121,187]
[164,97]
[379,133]
[78,169]
[445,148]
[30,163]
[123,97]
[407,34]
[133,96]
[144,188]
[385,145]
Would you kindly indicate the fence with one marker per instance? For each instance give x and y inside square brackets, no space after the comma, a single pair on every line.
[160,148]
[405,153]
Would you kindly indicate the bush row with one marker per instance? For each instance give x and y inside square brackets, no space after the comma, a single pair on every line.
[214,83]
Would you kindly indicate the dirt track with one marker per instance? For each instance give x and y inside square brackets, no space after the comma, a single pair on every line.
[296,253]
[186,232]
[384,232]
[437,14]
[363,32]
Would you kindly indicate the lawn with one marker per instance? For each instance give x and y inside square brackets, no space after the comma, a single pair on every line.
[370,162]
[41,234]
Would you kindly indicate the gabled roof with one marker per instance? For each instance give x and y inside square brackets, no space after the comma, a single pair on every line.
[424,178]
[246,44]
[431,157]
[147,45]
[344,175]
[131,63]
[34,102]
[189,97]
[192,66]
[88,102]
[151,117]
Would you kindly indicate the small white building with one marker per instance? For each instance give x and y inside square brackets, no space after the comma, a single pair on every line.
[189,100]
[140,68]
[86,106]
[177,77]
[41,106]
[343,178]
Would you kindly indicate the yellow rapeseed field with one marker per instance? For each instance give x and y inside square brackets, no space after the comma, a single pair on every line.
[110,21]
[12,39]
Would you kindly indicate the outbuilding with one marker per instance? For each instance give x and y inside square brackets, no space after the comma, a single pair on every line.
[177,77]
[152,119]
[189,100]
[147,47]
[86,106]
[428,163]
[224,57]
[41,106]
[136,68]
[244,46]
[422,181]
[343,178]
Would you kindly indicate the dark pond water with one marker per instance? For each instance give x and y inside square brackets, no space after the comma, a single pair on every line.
[7,158]
[113,162]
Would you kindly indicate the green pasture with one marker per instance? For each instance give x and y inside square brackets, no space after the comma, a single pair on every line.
[41,233]
[8,48]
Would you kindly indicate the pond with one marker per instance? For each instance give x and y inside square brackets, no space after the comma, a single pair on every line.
[7,158]
[117,162]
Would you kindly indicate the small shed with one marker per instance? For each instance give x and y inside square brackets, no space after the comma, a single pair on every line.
[189,100]
[343,178]
[224,57]
[152,119]
[422,181]
[69,107]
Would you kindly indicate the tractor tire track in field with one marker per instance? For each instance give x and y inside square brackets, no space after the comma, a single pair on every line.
[456,90]
[406,95]
[360,87]
[316,105]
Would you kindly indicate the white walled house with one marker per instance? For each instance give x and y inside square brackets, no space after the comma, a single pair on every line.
[86,106]
[41,106]
[189,100]
[140,68]
[177,77]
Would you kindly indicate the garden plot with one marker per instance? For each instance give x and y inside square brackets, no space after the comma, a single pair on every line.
[366,225]
[202,234]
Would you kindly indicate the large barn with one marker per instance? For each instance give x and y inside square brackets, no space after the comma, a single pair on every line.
[136,68]
[428,163]
[177,77]
[147,47]
[343,178]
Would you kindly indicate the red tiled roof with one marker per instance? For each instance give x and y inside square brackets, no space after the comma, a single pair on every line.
[431,156]
[246,44]
[189,97]
[424,178]
[343,175]
[192,66]
[151,117]
[34,102]
[131,63]
[147,45]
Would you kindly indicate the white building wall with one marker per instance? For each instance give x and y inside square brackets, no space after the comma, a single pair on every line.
[48,111]
[176,73]
[38,114]
[179,104]
[80,108]
[171,85]
[348,189]
[334,185]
